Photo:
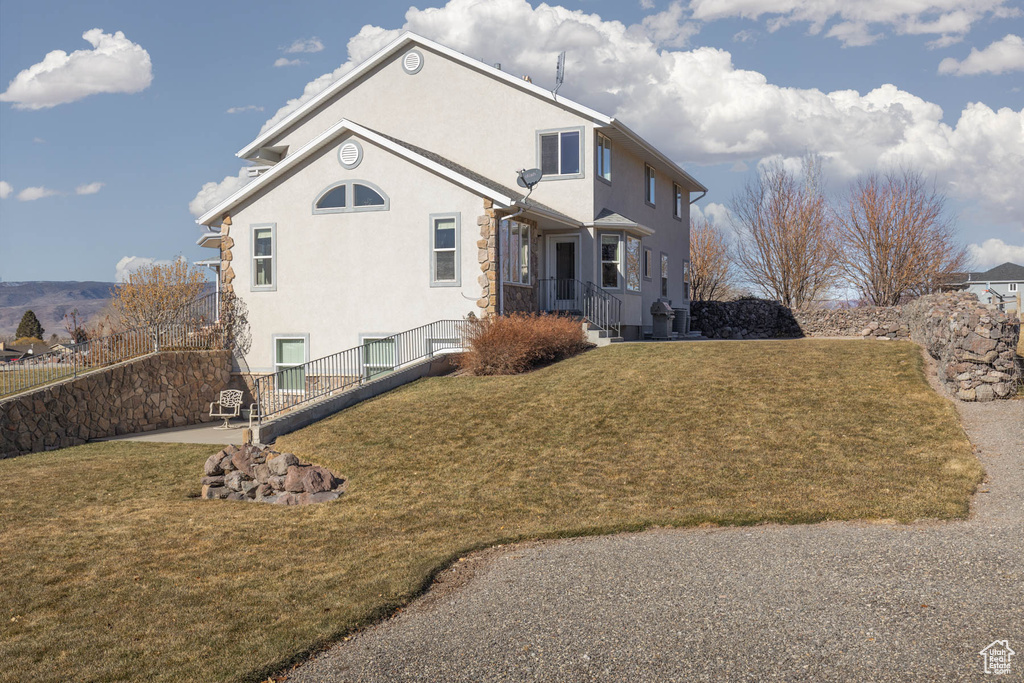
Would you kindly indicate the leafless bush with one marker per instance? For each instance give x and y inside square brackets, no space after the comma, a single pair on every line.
[511,344]
[711,270]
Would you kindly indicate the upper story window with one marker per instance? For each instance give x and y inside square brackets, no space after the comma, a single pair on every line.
[604,157]
[648,184]
[560,152]
[263,257]
[677,208]
[1013,287]
[351,195]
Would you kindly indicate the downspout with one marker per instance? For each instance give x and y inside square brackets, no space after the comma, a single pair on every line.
[702,194]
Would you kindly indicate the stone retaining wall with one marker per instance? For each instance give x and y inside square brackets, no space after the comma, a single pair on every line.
[866,321]
[169,389]
[743,319]
[974,343]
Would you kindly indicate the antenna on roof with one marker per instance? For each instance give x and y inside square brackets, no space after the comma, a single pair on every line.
[559,72]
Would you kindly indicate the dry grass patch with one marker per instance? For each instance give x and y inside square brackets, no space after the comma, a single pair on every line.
[110,571]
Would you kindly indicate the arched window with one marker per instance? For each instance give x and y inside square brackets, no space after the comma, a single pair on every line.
[351,196]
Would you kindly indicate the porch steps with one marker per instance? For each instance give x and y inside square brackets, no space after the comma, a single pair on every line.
[599,336]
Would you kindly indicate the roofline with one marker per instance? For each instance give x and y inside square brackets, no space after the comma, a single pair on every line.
[367,134]
[402,40]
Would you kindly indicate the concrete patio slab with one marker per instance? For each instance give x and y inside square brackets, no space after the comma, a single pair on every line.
[201,433]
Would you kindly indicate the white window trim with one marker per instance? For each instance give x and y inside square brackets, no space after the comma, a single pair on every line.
[279,366]
[457,282]
[600,257]
[1011,287]
[603,142]
[583,149]
[272,287]
[350,197]
[503,226]
[650,193]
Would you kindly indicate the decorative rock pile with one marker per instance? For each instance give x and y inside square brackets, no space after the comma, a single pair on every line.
[975,344]
[266,476]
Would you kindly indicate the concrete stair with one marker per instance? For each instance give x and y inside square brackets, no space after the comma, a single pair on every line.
[599,336]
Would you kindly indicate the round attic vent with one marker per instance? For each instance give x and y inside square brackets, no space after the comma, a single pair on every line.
[412,62]
[350,154]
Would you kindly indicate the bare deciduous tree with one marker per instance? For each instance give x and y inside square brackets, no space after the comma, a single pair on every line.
[896,237]
[786,233]
[155,292]
[710,261]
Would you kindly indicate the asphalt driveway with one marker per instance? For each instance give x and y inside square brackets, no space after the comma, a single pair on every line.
[827,602]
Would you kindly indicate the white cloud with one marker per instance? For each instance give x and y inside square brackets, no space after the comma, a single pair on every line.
[994,252]
[30,194]
[38,140]
[668,29]
[5,189]
[700,109]
[715,213]
[114,65]
[129,264]
[284,61]
[999,57]
[308,45]
[856,20]
[646,4]
[239,110]
[744,36]
[90,188]
[213,193]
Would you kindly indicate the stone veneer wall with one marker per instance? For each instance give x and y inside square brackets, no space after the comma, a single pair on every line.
[974,343]
[168,389]
[518,298]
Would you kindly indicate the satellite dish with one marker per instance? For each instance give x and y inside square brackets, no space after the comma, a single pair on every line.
[529,177]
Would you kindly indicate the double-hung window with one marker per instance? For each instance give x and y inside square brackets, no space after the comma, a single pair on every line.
[561,152]
[263,256]
[444,250]
[514,245]
[648,264]
[604,157]
[1012,287]
[632,264]
[649,184]
[611,261]
[677,208]
[664,274]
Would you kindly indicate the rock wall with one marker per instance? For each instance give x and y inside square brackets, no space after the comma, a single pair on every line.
[169,389]
[866,321]
[743,319]
[975,344]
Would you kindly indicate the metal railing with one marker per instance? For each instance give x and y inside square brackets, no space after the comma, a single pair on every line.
[305,382]
[583,298]
[192,326]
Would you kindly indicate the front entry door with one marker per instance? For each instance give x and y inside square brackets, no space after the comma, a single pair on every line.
[563,266]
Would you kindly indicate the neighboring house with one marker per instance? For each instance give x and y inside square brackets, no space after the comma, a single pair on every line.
[390,200]
[1001,285]
[11,351]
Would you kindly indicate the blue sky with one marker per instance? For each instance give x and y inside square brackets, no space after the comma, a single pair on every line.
[102,153]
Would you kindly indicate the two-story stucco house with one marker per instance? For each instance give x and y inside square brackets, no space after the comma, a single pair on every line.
[390,200]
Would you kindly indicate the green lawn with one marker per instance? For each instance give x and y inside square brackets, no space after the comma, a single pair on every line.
[111,569]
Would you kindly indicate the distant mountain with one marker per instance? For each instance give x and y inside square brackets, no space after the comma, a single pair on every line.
[50,301]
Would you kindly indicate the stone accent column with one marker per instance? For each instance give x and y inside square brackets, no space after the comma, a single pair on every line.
[487,249]
[227,273]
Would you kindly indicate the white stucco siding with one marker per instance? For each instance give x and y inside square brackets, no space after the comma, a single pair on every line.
[341,275]
[460,113]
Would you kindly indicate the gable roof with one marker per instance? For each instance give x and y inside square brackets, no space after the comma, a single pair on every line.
[409,38]
[1007,272]
[497,193]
